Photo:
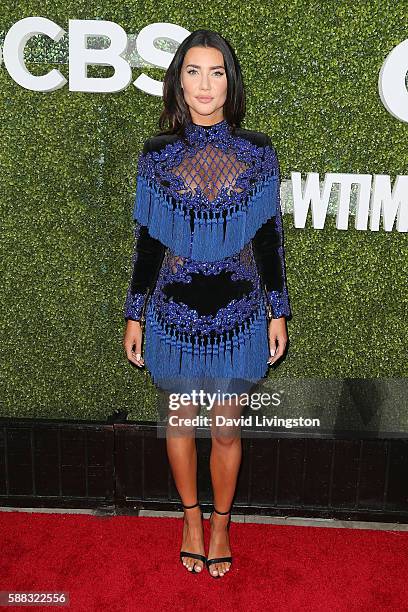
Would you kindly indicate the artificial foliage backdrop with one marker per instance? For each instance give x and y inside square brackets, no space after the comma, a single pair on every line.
[68,180]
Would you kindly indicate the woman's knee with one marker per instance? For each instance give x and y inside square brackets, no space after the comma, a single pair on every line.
[225,436]
[181,421]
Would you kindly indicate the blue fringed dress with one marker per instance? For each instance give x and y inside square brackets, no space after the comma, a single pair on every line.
[208,261]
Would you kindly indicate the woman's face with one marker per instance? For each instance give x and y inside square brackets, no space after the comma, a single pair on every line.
[204,83]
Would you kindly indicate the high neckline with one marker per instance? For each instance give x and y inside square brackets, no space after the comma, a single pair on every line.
[209,126]
[197,133]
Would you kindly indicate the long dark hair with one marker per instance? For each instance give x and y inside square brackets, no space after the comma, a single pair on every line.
[176,112]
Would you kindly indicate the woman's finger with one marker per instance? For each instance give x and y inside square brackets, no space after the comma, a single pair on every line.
[133,349]
[136,355]
[277,354]
[272,348]
[137,359]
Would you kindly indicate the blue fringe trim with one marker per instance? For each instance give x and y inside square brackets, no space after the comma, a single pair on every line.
[177,360]
[170,223]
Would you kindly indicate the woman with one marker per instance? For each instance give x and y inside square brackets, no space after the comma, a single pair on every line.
[208,270]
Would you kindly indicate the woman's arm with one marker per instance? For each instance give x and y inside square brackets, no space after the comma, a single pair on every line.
[147,257]
[269,254]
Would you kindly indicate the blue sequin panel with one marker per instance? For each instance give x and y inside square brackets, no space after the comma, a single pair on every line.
[133,305]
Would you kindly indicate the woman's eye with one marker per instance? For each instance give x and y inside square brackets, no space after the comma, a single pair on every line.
[192,71]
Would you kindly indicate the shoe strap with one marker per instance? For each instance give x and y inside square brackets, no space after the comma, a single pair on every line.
[219,560]
[184,553]
[193,506]
[227,512]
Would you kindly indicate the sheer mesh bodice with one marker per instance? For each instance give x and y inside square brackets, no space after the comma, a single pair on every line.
[209,171]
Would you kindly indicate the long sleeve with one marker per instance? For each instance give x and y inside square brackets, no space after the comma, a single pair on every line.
[146,260]
[269,253]
[147,257]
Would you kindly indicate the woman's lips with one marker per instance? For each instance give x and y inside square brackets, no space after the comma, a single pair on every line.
[203,99]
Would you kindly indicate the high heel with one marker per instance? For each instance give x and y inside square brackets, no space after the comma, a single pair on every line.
[219,559]
[185,553]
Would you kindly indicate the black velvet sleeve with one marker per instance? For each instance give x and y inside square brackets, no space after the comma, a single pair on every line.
[268,249]
[148,253]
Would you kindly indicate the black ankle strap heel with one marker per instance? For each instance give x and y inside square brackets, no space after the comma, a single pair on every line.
[219,559]
[185,553]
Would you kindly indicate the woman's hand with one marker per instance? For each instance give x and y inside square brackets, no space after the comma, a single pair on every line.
[133,338]
[278,338]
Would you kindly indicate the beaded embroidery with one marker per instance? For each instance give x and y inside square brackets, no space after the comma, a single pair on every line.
[187,319]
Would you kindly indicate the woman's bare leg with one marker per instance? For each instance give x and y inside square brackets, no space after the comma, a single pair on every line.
[225,461]
[182,454]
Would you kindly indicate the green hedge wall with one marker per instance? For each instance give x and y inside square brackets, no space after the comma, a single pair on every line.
[68,178]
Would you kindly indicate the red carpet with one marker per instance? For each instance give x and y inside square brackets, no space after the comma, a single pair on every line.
[131,563]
